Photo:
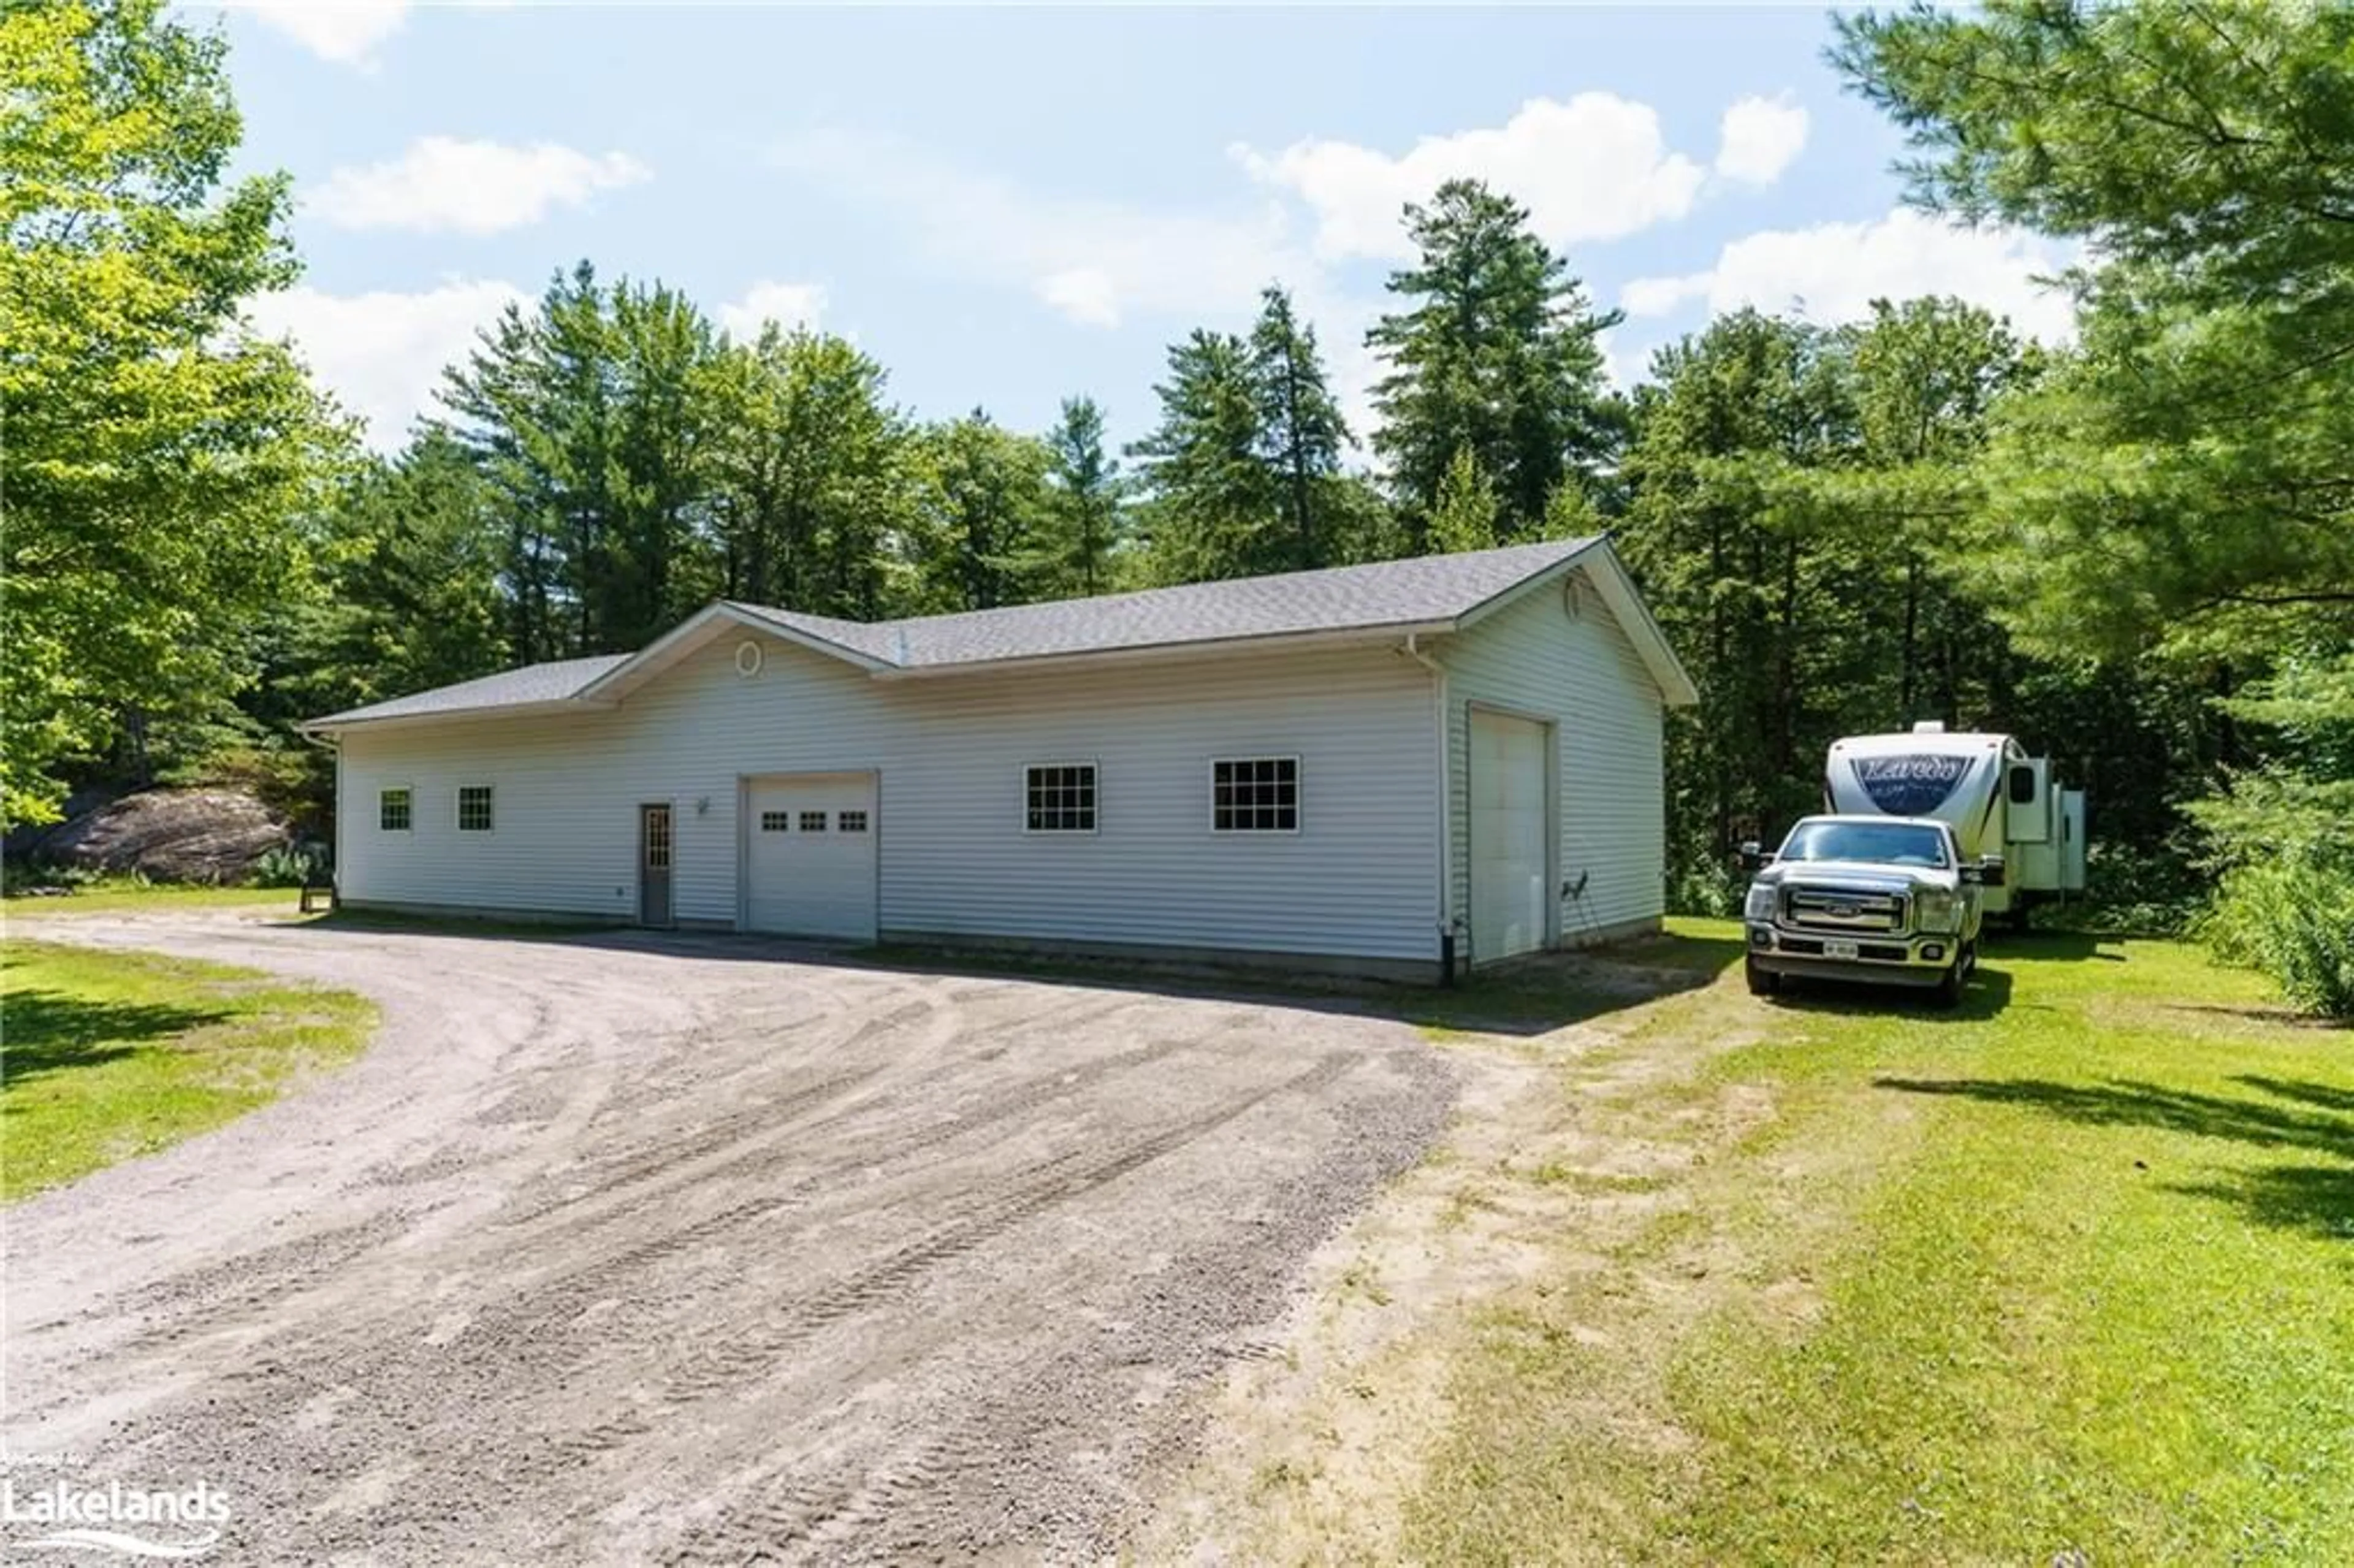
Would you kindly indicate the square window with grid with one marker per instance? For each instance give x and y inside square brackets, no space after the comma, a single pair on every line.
[474,808]
[1255,795]
[1060,798]
[775,821]
[850,822]
[392,811]
[813,821]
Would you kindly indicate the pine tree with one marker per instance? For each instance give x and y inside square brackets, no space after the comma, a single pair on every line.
[1302,432]
[412,559]
[1495,352]
[1212,504]
[1081,529]
[815,478]
[592,416]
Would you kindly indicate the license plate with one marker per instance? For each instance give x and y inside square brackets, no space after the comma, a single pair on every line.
[1839,949]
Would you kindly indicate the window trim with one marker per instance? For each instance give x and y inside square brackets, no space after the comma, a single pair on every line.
[408,790]
[1095,810]
[458,808]
[1299,795]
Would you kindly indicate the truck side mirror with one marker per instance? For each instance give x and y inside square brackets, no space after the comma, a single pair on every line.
[1987,872]
[1751,855]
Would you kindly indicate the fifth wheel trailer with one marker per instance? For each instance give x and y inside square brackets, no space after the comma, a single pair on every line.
[2000,800]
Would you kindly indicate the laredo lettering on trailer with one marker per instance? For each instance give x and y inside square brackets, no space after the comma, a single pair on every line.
[90,1518]
[1910,786]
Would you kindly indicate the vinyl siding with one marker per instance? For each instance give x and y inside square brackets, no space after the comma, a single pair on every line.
[1584,675]
[1358,879]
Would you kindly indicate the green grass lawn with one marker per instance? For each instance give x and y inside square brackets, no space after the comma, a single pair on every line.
[2065,1277]
[125,897]
[106,1055]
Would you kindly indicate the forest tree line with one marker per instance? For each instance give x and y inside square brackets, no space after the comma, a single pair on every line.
[2133,550]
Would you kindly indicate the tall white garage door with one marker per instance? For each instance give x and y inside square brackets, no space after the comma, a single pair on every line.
[808,856]
[1511,869]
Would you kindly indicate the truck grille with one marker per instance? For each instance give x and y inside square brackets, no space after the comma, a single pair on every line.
[1831,909]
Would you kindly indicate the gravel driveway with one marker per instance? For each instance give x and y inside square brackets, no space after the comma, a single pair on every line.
[690,1250]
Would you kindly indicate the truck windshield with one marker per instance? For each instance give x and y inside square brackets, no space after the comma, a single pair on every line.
[1887,844]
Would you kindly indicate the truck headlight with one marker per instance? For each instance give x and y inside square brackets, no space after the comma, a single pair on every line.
[1759,905]
[1936,909]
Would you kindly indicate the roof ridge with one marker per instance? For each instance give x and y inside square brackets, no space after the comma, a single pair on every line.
[1209,585]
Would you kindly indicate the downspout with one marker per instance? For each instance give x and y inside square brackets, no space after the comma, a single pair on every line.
[1446,923]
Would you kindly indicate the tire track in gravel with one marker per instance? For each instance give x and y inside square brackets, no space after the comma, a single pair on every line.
[679,1158]
[793,1508]
[247,1286]
[756,1128]
[926,1148]
[532,1322]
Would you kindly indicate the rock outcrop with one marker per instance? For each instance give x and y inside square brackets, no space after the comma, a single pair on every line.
[171,835]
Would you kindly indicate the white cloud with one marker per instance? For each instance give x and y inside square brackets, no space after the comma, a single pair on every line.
[1658,296]
[1093,261]
[1831,272]
[790,305]
[1086,294]
[1758,138]
[346,31]
[382,353]
[473,187]
[1597,167]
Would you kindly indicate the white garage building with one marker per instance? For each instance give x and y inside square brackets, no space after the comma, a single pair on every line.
[1337,768]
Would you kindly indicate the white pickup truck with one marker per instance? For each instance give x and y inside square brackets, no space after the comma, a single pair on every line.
[1885,899]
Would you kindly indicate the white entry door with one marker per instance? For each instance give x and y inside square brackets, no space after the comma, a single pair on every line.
[808,856]
[1511,871]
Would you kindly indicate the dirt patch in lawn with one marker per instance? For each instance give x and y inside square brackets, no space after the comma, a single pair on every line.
[1569,1147]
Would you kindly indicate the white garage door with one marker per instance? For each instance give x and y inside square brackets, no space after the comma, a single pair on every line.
[808,856]
[1510,867]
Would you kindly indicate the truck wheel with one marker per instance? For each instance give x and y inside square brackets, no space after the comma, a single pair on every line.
[1949,986]
[1762,981]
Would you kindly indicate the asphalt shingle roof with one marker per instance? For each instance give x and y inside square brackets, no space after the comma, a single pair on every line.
[1341,598]
[547,682]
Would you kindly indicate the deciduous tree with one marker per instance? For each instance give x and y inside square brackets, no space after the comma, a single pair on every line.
[158,458]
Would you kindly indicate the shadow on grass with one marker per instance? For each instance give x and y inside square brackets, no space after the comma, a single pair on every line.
[2319,1119]
[1987,994]
[2126,1103]
[1529,996]
[2061,946]
[2317,1199]
[2328,1096]
[51,1030]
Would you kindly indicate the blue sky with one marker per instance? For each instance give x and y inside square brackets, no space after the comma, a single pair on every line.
[1007,207]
